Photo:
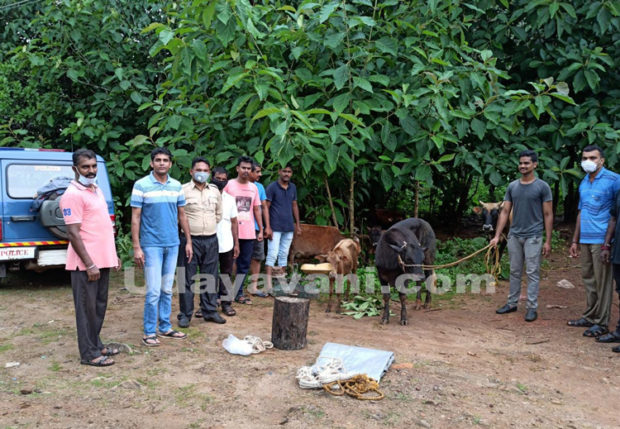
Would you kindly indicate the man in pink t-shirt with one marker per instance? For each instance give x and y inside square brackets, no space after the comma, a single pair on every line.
[248,209]
[90,256]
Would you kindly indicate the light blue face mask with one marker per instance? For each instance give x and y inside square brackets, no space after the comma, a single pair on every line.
[87,181]
[201,176]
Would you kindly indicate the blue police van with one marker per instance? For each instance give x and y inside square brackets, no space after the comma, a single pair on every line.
[32,230]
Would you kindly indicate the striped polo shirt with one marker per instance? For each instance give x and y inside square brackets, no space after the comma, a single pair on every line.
[595,200]
[159,203]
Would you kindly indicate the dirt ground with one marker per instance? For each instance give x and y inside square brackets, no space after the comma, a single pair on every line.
[464,366]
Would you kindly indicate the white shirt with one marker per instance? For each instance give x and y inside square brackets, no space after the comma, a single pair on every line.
[224,227]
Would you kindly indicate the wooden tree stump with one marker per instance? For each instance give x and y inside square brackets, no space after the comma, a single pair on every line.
[290,322]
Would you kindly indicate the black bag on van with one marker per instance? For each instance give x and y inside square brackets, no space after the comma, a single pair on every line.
[46,202]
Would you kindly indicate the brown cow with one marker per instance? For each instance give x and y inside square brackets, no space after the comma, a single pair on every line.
[344,259]
[315,240]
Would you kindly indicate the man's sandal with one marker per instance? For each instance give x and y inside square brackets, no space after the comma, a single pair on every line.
[580,323]
[595,331]
[612,337]
[243,300]
[176,335]
[228,310]
[150,341]
[100,361]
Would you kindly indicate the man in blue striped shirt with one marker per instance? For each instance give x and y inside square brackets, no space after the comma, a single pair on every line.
[157,202]
[596,196]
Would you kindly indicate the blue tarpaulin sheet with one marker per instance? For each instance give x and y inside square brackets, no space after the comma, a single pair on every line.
[358,360]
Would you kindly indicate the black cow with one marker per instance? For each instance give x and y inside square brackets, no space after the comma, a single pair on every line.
[490,213]
[414,241]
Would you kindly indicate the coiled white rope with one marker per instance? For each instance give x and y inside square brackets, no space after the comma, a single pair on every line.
[257,344]
[314,377]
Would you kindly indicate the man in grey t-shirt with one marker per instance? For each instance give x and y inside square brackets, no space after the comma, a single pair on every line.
[529,198]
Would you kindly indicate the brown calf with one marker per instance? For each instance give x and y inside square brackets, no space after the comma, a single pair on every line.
[344,259]
[314,240]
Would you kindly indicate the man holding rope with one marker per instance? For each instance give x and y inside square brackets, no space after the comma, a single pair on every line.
[530,200]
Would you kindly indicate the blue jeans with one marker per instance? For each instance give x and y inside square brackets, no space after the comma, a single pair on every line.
[278,247]
[159,266]
[246,248]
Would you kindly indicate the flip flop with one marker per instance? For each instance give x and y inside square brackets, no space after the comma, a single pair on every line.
[612,337]
[100,361]
[176,335]
[228,310]
[595,331]
[580,323]
[243,300]
[150,341]
[260,294]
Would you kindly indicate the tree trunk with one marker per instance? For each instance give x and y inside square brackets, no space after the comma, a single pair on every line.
[416,203]
[352,201]
[331,203]
[290,322]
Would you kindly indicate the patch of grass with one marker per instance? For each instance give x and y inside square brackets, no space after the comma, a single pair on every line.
[522,387]
[392,418]
[421,364]
[192,332]
[55,366]
[476,420]
[150,382]
[403,397]
[105,382]
[23,332]
[5,347]
[315,412]
[50,334]
[187,396]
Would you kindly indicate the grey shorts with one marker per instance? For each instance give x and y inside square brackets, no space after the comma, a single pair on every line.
[258,254]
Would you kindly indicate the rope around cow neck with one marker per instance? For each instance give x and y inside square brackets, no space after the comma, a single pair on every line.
[493,267]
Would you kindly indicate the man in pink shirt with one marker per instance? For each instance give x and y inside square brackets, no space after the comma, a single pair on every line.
[90,256]
[248,209]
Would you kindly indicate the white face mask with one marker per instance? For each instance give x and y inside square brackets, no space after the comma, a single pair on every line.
[589,166]
[87,181]
[201,176]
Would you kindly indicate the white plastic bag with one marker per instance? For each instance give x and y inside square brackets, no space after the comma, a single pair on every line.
[236,346]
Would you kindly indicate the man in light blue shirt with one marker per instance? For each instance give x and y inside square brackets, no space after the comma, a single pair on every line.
[157,202]
[596,197]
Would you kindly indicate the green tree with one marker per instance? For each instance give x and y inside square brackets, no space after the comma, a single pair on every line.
[373,93]
[75,74]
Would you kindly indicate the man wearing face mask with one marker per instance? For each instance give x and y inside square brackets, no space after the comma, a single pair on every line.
[204,211]
[90,256]
[596,197]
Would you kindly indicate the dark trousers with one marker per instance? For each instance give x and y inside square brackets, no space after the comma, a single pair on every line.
[246,248]
[616,268]
[205,259]
[91,301]
[226,266]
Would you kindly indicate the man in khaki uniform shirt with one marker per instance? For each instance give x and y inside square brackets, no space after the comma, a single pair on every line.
[203,211]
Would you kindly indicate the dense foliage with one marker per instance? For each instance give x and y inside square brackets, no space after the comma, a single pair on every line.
[366,99]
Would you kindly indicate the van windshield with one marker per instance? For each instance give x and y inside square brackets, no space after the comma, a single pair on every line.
[23,180]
